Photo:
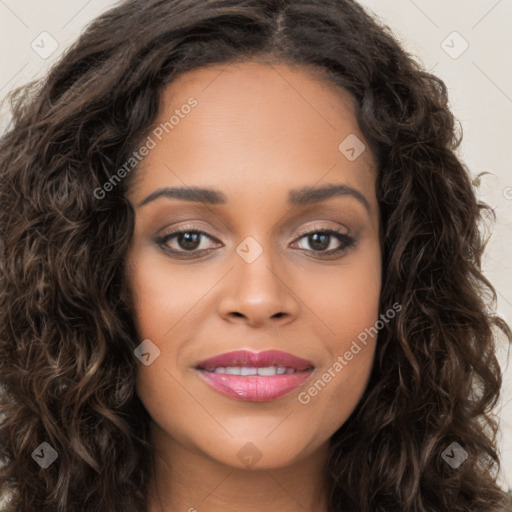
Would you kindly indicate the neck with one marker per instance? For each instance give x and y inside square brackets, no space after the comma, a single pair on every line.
[193,482]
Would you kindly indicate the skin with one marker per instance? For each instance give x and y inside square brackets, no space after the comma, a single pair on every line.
[258,131]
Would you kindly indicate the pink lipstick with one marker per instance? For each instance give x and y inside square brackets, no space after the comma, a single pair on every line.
[255,376]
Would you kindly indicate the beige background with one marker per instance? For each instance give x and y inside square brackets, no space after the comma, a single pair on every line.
[479,80]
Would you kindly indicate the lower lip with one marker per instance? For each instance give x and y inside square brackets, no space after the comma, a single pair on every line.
[255,388]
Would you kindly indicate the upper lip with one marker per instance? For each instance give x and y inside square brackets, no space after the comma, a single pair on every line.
[246,358]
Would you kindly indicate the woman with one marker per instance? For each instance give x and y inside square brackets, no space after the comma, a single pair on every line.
[241,270]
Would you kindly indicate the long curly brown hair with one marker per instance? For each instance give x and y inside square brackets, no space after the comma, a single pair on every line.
[67,367]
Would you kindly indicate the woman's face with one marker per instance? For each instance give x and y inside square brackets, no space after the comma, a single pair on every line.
[254,271]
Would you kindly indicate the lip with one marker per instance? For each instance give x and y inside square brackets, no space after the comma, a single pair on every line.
[255,388]
[256,359]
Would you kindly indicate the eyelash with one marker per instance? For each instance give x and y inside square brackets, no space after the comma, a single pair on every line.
[346,240]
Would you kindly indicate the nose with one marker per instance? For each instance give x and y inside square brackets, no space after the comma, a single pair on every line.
[258,293]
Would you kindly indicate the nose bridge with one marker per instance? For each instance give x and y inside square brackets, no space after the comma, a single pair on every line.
[256,269]
[257,289]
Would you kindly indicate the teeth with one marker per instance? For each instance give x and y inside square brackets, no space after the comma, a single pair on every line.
[247,371]
[271,370]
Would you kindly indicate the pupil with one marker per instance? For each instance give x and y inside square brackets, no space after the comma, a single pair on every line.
[189,243]
[313,239]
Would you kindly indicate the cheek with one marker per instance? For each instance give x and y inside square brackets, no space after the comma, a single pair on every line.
[349,312]
[345,299]
[163,297]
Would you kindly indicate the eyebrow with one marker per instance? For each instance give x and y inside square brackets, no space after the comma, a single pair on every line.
[300,197]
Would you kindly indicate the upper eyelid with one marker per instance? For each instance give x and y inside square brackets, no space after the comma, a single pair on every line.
[195,227]
[302,233]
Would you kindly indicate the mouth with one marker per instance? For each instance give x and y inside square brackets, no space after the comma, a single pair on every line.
[255,376]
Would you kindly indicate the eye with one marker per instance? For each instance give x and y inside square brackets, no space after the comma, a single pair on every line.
[321,239]
[187,239]
[186,242]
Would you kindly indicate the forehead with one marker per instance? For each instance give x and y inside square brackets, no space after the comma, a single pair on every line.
[254,126]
